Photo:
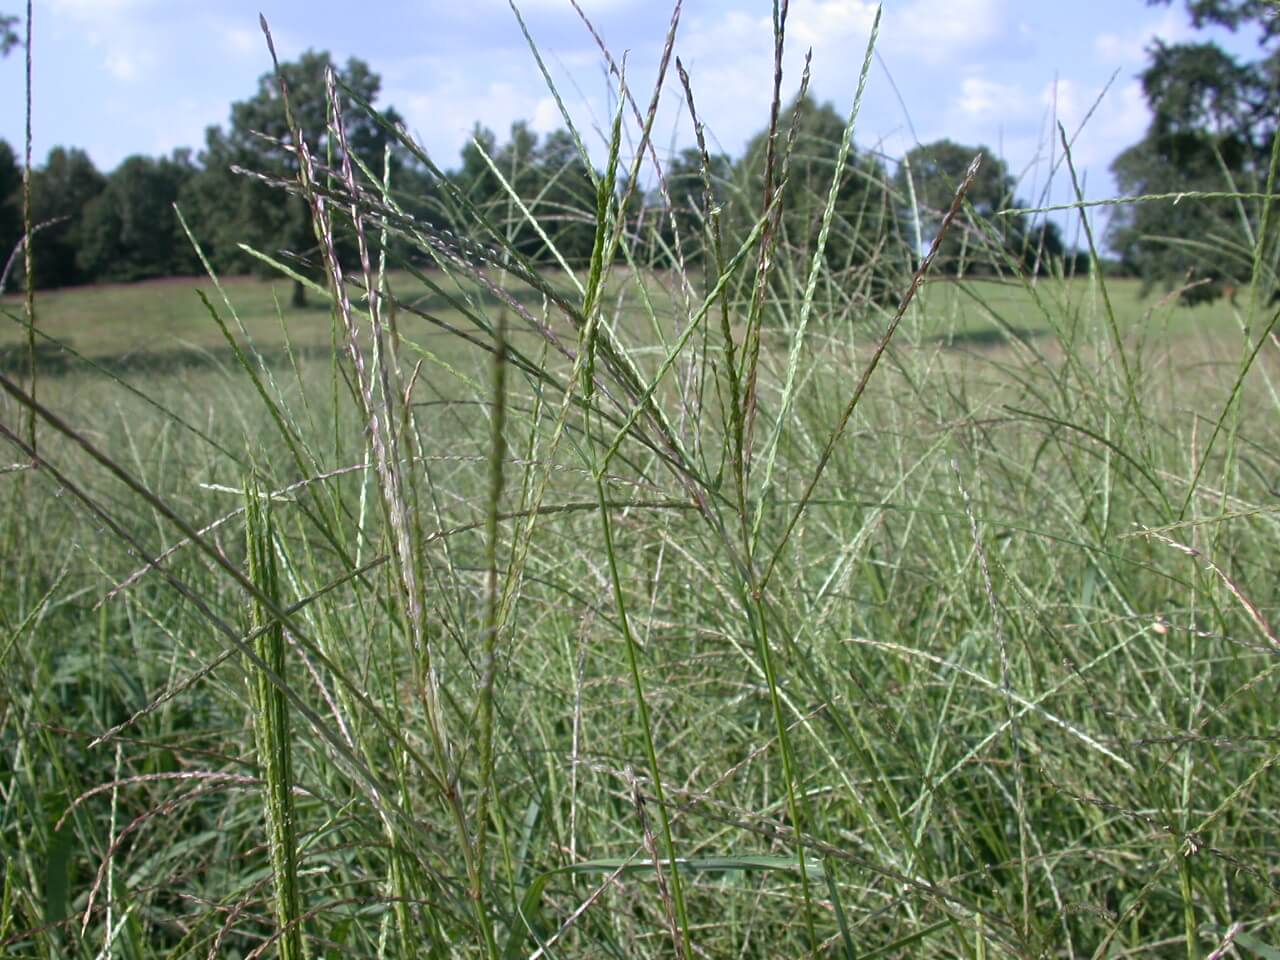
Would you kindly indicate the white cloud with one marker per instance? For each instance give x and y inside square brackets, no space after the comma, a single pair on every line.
[121,65]
[546,116]
[730,62]
[985,99]
[1117,49]
[729,59]
[242,41]
[1062,95]
[97,10]
[117,26]
[938,31]
[1130,49]
[591,8]
[824,24]
[441,110]
[1119,119]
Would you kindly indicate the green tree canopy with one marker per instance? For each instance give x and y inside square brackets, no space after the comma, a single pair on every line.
[864,249]
[1214,118]
[550,178]
[687,184]
[978,241]
[230,208]
[8,34]
[1213,122]
[1232,14]
[129,231]
[60,191]
[566,199]
[10,204]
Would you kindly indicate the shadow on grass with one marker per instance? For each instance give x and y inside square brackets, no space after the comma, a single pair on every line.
[53,360]
[986,337]
[433,301]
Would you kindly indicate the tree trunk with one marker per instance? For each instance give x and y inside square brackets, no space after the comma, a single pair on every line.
[299,299]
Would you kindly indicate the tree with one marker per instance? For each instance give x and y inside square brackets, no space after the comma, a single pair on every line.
[978,240]
[518,161]
[566,197]
[230,208]
[60,191]
[1213,122]
[473,178]
[10,172]
[129,231]
[10,204]
[687,189]
[549,177]
[8,35]
[863,250]
[1232,14]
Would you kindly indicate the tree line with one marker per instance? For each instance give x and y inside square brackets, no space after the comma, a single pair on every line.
[122,225]
[1213,123]
[1213,130]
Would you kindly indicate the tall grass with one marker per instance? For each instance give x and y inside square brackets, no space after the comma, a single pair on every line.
[701,607]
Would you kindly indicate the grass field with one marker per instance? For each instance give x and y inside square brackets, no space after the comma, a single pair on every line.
[631,614]
[1017,723]
[165,316]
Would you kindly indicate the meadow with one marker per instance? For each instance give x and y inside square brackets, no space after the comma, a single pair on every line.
[120,319]
[638,613]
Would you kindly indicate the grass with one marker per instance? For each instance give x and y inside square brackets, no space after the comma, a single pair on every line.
[576,625]
[116,321]
[162,324]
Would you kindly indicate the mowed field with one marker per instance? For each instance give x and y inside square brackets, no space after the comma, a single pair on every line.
[973,657]
[165,321]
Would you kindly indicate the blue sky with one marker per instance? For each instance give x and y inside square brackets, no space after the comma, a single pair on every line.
[128,76]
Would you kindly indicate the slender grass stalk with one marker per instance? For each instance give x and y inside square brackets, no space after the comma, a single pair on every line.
[272,726]
[916,280]
[493,597]
[842,921]
[28,235]
[1260,282]
[853,675]
[1096,271]
[773,183]
[733,392]
[1190,927]
[817,266]
[591,312]
[760,630]
[377,398]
